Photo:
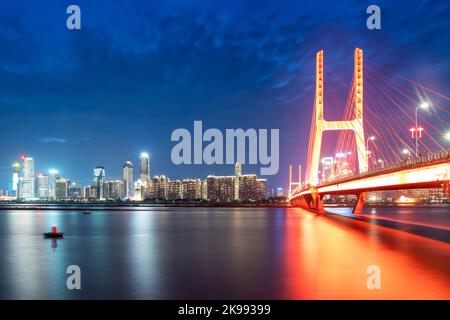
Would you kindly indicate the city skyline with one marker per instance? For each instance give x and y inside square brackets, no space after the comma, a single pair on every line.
[28,184]
[9,183]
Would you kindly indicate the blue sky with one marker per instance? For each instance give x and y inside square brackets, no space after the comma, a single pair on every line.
[137,70]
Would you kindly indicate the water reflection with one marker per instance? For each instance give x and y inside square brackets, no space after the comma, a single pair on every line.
[54,243]
[230,253]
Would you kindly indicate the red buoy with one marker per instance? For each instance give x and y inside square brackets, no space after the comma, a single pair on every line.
[54,228]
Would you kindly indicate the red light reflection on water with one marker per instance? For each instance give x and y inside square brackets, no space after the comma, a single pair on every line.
[327,258]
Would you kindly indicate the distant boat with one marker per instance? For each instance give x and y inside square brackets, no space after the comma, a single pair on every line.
[87,212]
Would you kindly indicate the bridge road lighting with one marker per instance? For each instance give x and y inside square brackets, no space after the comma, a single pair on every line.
[406,153]
[423,106]
[381,162]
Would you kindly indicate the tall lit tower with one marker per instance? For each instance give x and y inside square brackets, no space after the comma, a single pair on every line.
[128,180]
[17,168]
[52,183]
[99,181]
[237,179]
[28,179]
[144,167]
[42,186]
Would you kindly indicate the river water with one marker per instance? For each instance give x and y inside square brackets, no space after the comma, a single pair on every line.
[227,253]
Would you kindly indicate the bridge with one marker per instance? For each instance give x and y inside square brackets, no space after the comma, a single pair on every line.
[411,168]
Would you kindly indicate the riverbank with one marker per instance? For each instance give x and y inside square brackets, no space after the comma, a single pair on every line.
[127,206]
[141,206]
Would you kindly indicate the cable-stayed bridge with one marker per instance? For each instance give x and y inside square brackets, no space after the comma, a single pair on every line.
[393,140]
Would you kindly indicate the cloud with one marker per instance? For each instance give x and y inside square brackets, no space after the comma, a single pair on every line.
[53,140]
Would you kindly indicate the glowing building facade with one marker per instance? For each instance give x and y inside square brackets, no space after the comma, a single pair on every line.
[128,180]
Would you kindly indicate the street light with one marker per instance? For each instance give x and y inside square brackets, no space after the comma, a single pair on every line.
[371,138]
[423,106]
[381,162]
[447,136]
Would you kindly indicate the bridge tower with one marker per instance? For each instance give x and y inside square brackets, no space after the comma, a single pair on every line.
[319,124]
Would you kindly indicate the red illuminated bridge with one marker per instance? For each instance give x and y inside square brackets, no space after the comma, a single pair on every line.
[398,160]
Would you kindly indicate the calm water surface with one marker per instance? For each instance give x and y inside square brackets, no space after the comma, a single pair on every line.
[230,253]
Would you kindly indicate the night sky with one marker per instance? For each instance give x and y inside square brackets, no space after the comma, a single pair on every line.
[137,70]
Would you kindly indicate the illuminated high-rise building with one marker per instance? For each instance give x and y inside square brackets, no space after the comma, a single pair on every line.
[327,168]
[205,189]
[144,167]
[174,190]
[87,192]
[128,180]
[139,193]
[74,191]
[220,188]
[42,186]
[280,192]
[61,188]
[160,189]
[99,181]
[262,189]
[113,189]
[237,179]
[28,179]
[248,187]
[341,165]
[17,169]
[52,173]
[192,189]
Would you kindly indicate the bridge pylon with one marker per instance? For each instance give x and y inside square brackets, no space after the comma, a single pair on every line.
[319,124]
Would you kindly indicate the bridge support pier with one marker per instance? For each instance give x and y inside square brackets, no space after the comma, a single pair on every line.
[362,197]
[317,201]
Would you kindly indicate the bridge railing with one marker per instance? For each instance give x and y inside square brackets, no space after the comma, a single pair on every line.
[407,163]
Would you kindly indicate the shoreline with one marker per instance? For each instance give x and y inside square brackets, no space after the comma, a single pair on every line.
[129,206]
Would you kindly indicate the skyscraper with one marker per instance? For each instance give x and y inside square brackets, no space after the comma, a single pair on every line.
[42,186]
[99,181]
[205,189]
[113,189]
[248,187]
[51,183]
[238,173]
[28,179]
[128,180]
[174,190]
[144,168]
[61,188]
[160,184]
[220,188]
[74,191]
[17,168]
[192,189]
[262,189]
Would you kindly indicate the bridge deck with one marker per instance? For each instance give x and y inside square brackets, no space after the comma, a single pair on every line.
[425,172]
